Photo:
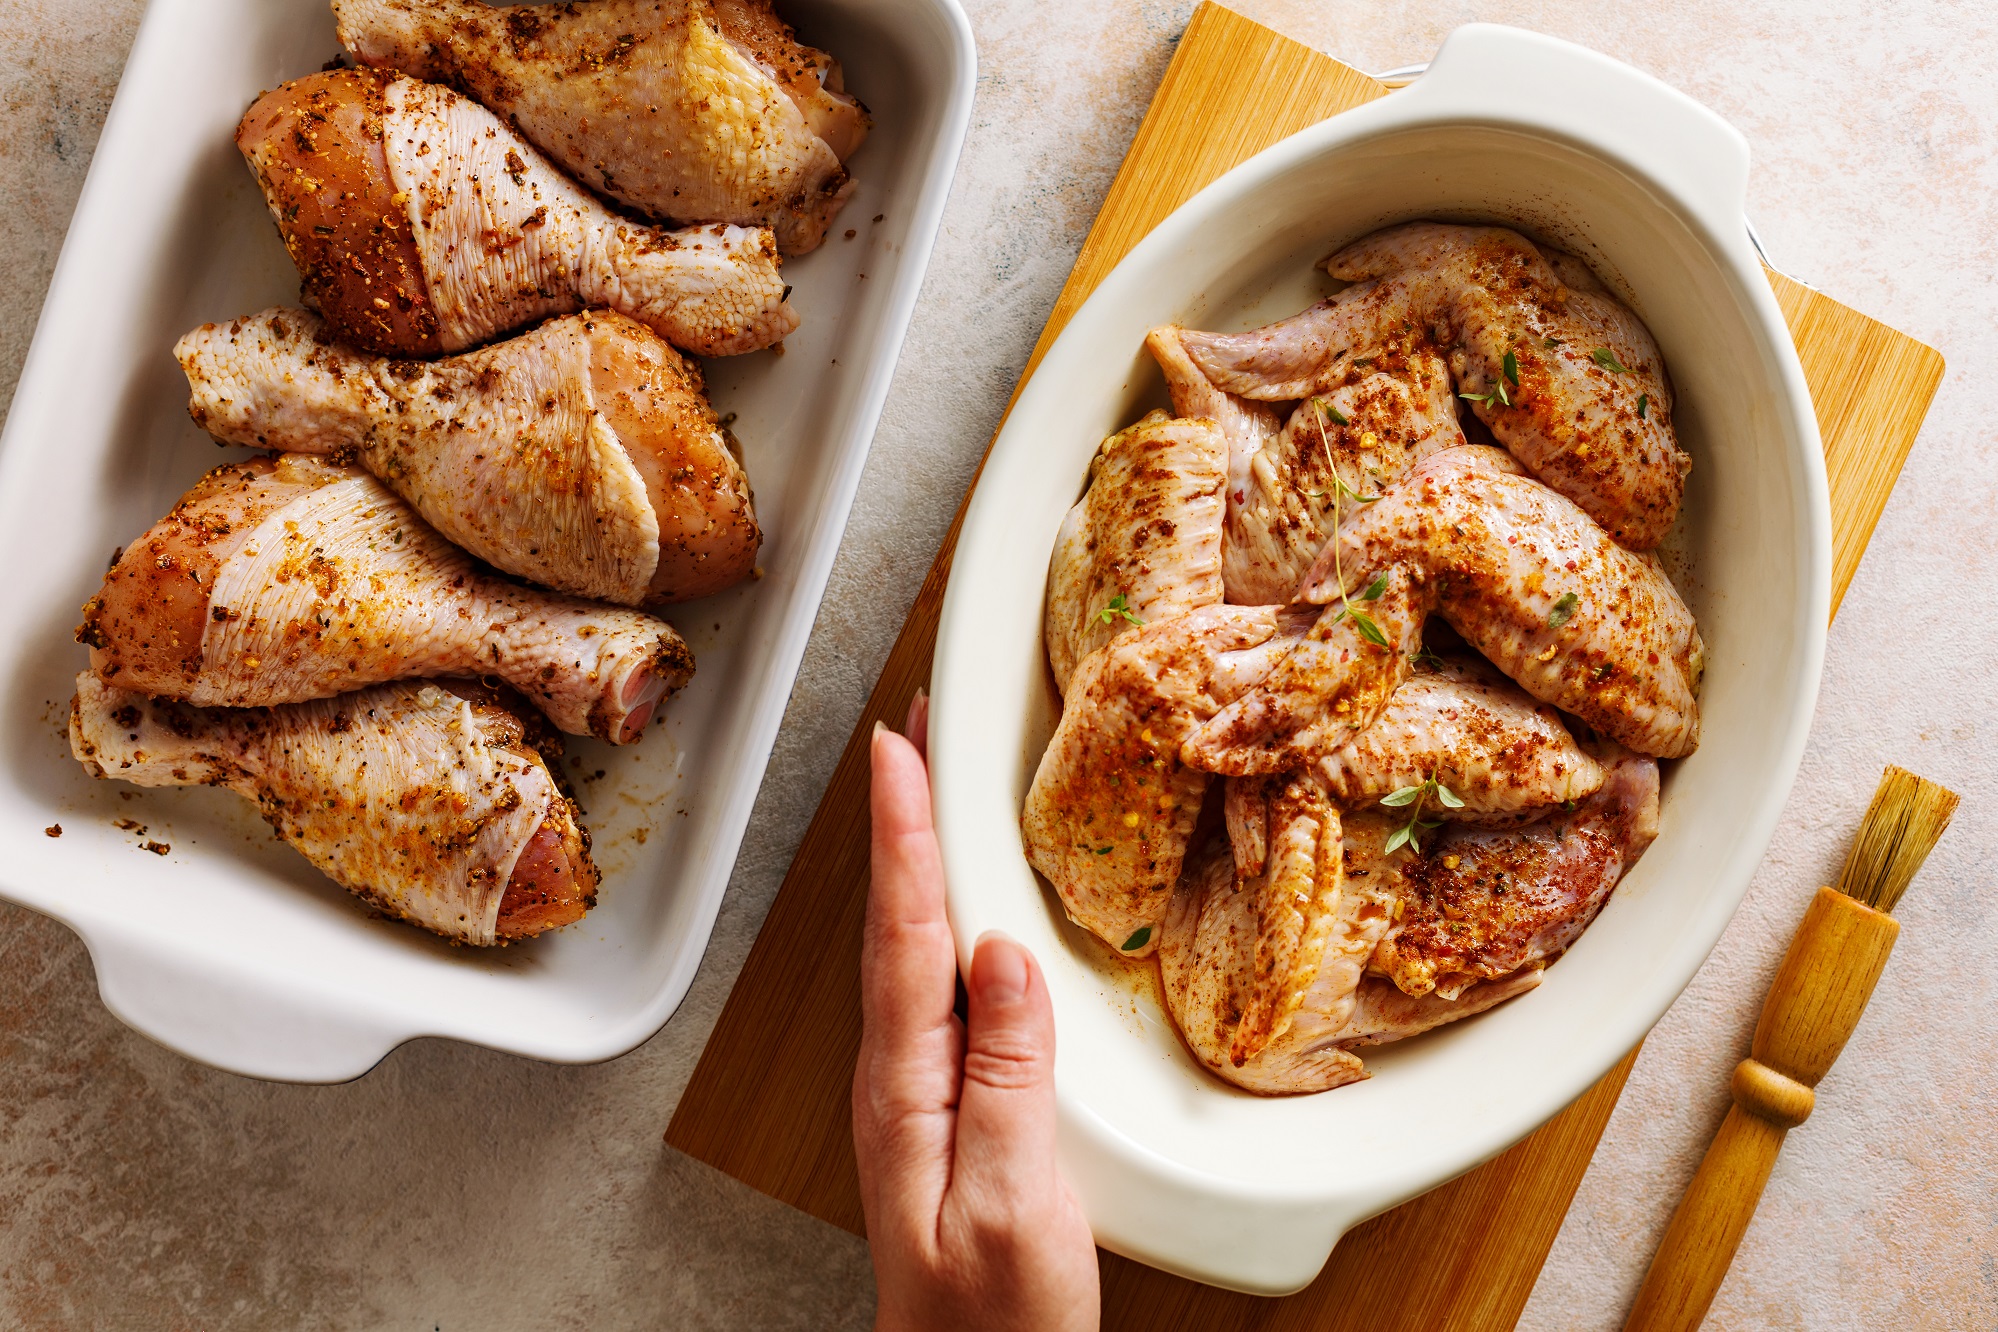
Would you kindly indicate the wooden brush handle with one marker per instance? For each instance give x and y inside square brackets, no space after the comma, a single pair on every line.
[1815,1002]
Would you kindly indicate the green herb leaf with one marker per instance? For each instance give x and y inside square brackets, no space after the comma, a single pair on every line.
[1352,494]
[1423,654]
[1643,401]
[1119,605]
[1564,610]
[1511,367]
[1551,343]
[1606,358]
[1141,937]
[1450,799]
[1329,410]
[1103,850]
[1368,629]
[1375,588]
[1397,839]
[1404,796]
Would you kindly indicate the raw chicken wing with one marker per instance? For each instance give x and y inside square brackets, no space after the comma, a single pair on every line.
[429,801]
[1525,576]
[581,455]
[421,223]
[1111,806]
[687,111]
[1465,726]
[1480,903]
[1385,409]
[1143,543]
[278,582]
[1565,375]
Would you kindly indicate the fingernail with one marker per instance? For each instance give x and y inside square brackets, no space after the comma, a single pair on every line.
[999,969]
[878,729]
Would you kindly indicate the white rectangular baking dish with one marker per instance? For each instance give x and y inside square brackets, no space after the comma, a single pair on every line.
[230,947]
[1174,1167]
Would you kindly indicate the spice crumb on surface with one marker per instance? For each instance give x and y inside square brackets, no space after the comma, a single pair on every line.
[53,830]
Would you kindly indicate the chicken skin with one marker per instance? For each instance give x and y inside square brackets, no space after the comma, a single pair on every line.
[582,455]
[1564,374]
[1525,576]
[1463,725]
[1483,902]
[687,111]
[1143,543]
[421,223]
[1221,975]
[281,581]
[1386,408]
[1112,806]
[428,800]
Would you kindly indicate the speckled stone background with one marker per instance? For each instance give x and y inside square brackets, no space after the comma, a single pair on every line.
[453,1188]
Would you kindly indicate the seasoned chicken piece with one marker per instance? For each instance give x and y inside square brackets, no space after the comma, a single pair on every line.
[1219,971]
[687,110]
[278,582]
[1111,806]
[1388,407]
[1465,726]
[1564,374]
[582,455]
[1144,541]
[1481,903]
[429,801]
[1383,1014]
[1526,577]
[421,223]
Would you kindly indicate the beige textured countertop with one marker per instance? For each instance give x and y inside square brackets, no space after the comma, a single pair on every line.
[455,1188]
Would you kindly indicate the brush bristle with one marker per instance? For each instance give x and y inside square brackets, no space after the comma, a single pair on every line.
[1901,826]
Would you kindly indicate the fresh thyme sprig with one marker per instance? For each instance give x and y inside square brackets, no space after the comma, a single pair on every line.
[1119,605]
[1361,620]
[1410,833]
[1498,393]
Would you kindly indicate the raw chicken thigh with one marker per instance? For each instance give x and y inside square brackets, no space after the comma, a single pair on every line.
[1143,544]
[580,455]
[1564,374]
[421,223]
[278,582]
[687,111]
[431,801]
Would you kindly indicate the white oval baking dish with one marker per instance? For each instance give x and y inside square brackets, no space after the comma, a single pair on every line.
[231,948]
[1175,1168]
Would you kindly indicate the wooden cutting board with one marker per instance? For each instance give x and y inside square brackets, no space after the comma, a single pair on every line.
[768,1100]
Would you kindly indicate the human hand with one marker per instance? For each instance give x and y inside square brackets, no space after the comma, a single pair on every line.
[969,1219]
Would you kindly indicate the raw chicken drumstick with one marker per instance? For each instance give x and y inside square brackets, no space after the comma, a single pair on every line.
[1524,575]
[1143,543]
[686,110]
[281,581]
[1384,409]
[1564,374]
[421,223]
[430,801]
[580,455]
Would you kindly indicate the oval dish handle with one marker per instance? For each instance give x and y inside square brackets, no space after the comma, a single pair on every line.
[258,1026]
[1486,71]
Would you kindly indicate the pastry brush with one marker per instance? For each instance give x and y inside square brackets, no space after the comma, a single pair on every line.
[1819,992]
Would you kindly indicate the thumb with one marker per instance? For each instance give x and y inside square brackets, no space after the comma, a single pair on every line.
[1005,1112]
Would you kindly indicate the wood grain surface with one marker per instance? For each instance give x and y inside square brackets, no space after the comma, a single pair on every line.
[768,1101]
